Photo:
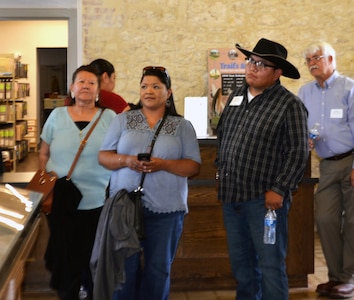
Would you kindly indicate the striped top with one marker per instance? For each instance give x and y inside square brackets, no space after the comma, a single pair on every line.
[262,144]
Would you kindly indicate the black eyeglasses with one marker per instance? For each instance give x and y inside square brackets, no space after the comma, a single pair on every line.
[260,65]
[154,68]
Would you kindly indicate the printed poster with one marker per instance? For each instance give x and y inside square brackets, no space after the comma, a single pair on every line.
[226,70]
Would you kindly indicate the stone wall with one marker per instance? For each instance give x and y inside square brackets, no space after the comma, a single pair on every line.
[177,33]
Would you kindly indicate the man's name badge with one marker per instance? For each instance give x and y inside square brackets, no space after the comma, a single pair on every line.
[236,101]
[336,113]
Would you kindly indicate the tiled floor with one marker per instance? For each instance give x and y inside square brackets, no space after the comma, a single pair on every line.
[320,276]
[29,163]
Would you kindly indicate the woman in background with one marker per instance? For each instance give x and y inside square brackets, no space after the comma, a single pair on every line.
[107,98]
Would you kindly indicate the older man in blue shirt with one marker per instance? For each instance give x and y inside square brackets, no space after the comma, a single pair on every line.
[330,102]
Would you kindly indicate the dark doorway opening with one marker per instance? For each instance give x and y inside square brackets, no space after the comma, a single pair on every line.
[52,66]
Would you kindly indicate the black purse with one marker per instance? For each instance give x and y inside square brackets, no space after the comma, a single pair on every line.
[136,195]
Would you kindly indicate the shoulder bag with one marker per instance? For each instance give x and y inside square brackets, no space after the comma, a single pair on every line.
[43,182]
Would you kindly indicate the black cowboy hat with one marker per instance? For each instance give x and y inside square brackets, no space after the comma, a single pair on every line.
[274,53]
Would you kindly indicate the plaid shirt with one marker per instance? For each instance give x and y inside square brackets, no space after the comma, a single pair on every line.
[262,145]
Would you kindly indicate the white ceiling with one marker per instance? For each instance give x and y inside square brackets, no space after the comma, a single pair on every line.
[38,4]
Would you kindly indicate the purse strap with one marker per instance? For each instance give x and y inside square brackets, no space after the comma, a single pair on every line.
[140,188]
[82,146]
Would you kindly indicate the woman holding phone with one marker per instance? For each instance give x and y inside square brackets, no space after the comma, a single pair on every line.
[174,158]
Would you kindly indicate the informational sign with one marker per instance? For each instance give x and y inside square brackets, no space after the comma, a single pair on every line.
[226,70]
[199,120]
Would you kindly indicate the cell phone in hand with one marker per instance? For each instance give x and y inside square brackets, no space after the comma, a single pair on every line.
[144,156]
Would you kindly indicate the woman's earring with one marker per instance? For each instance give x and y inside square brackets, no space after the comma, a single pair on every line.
[168,103]
[97,98]
[72,95]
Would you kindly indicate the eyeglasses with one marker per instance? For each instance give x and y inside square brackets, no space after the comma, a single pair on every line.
[154,68]
[314,59]
[260,65]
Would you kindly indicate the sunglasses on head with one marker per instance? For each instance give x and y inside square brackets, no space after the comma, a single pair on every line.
[154,68]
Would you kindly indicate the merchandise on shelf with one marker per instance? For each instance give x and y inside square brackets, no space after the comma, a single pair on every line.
[13,108]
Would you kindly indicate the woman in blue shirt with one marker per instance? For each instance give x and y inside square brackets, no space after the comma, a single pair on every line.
[71,237]
[175,157]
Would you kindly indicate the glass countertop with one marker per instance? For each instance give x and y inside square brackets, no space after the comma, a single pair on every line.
[18,209]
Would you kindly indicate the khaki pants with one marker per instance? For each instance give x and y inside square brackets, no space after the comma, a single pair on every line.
[334,215]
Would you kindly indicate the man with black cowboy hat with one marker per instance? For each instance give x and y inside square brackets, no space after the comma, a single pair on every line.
[262,154]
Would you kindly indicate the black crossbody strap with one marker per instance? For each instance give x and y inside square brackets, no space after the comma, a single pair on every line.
[140,188]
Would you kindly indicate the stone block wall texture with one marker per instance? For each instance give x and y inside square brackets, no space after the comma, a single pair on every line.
[177,34]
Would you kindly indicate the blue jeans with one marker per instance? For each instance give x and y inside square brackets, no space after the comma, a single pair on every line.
[152,281]
[259,269]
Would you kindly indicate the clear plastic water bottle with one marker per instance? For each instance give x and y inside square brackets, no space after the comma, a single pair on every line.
[270,222]
[83,293]
[314,132]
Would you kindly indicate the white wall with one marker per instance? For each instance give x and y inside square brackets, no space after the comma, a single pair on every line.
[25,37]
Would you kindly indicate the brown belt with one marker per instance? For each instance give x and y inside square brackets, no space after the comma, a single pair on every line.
[340,156]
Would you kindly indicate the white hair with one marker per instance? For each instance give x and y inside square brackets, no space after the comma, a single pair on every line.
[327,50]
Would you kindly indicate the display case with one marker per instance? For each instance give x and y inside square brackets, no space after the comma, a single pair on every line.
[19,220]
